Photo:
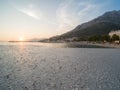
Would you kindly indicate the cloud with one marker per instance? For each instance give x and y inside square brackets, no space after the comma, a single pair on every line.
[64,19]
[88,8]
[71,13]
[30,11]
[35,12]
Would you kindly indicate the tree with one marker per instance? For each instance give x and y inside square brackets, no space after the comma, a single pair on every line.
[105,37]
[115,37]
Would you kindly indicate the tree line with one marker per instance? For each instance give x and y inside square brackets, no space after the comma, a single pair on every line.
[104,37]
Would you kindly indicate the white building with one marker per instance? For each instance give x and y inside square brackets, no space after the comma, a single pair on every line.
[117,32]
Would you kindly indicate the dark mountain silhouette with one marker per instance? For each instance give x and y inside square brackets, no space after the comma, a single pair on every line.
[98,26]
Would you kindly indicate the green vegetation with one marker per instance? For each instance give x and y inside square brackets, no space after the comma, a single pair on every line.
[115,37]
[104,38]
[92,38]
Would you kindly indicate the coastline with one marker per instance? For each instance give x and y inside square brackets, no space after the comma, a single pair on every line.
[81,43]
[107,45]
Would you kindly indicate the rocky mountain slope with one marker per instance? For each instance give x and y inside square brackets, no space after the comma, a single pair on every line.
[100,25]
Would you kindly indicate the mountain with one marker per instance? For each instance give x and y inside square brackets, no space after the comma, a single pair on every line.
[98,26]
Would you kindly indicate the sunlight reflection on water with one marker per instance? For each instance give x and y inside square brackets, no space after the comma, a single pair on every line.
[55,45]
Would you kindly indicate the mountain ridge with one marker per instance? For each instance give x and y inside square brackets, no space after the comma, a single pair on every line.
[101,25]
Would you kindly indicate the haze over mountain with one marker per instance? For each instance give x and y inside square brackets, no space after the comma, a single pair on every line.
[100,25]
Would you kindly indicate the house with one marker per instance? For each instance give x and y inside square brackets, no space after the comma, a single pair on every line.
[117,41]
[117,32]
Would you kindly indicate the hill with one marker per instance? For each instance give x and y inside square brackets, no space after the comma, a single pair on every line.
[98,26]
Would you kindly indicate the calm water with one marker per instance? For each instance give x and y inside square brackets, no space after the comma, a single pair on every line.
[33,66]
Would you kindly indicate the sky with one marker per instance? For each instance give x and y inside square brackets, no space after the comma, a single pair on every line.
[45,18]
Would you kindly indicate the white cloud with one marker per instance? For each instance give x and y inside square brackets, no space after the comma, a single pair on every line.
[63,16]
[88,8]
[30,11]
[35,12]
[71,13]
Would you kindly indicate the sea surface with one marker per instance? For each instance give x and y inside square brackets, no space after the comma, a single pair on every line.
[43,66]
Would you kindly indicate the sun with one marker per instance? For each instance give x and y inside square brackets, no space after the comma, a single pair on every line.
[21,39]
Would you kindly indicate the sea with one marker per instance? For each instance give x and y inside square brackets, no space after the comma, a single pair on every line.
[58,66]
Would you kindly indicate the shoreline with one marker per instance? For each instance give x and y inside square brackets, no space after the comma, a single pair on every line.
[107,44]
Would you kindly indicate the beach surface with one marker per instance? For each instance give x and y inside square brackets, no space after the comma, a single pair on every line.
[34,67]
